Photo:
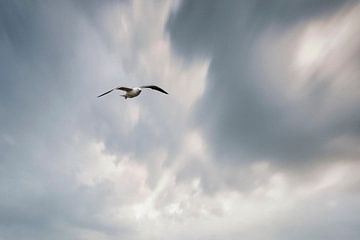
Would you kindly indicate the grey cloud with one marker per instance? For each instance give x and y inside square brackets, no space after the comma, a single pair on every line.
[238,112]
[54,60]
[319,221]
[46,93]
[40,52]
[51,54]
[200,26]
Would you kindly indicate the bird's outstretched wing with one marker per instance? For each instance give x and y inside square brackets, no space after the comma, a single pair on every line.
[106,92]
[124,89]
[155,88]
[118,88]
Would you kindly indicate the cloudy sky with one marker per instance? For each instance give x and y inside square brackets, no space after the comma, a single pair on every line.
[258,139]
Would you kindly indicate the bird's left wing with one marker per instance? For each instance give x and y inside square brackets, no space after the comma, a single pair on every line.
[155,88]
[106,92]
[118,88]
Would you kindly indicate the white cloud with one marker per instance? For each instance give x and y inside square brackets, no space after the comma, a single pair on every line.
[138,33]
[314,60]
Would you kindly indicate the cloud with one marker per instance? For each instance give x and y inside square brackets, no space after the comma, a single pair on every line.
[198,163]
[279,113]
[250,106]
[73,165]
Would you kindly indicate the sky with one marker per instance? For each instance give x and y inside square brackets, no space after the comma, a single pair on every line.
[259,137]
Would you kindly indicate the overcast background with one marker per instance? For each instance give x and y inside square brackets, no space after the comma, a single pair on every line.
[258,139]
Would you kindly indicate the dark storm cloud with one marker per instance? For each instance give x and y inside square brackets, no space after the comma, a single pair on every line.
[237,110]
[202,25]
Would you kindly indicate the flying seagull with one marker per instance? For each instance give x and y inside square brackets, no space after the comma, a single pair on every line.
[133,92]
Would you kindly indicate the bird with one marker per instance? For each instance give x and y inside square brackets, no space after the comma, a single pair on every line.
[135,91]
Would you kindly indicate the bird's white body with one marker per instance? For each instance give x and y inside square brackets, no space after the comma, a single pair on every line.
[132,93]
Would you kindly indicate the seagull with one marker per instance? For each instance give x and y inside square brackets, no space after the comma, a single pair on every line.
[134,92]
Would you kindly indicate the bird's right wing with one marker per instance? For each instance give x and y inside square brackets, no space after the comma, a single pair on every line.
[106,93]
[155,88]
